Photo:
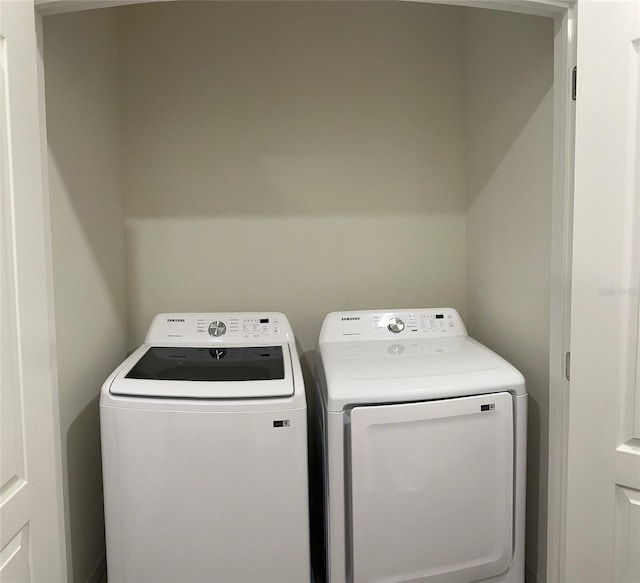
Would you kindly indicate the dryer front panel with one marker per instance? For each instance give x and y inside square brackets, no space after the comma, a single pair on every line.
[431,490]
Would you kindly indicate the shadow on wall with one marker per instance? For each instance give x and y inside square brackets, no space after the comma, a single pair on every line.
[509,186]
[316,474]
[83,134]
[509,74]
[84,486]
[88,236]
[536,424]
[87,228]
[90,342]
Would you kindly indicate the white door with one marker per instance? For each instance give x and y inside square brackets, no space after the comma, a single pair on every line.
[432,490]
[603,493]
[31,533]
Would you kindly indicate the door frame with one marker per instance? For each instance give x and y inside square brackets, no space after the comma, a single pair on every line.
[564,14]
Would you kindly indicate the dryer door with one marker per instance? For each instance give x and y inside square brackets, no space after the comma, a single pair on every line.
[432,490]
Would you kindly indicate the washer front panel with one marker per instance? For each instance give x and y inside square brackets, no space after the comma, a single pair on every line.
[206,496]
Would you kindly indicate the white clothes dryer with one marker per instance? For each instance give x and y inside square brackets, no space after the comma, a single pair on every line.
[204,446]
[424,451]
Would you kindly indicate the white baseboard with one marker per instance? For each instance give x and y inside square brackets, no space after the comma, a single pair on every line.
[99,573]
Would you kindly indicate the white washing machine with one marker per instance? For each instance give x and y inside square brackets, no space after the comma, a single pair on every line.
[204,448]
[424,446]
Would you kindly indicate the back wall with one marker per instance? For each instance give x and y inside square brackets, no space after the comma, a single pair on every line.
[298,157]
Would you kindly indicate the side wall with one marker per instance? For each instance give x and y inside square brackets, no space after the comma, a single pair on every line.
[510,119]
[83,125]
[304,157]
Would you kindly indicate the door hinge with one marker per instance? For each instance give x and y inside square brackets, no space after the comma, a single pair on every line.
[567,365]
[574,83]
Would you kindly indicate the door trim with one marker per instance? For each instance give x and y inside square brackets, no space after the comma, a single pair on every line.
[560,305]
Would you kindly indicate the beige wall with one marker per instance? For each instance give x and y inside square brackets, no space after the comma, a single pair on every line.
[297,156]
[301,157]
[81,76]
[510,116]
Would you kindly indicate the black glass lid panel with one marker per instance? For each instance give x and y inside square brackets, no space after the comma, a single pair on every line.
[250,363]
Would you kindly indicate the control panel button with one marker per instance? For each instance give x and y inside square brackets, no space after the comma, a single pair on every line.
[395,325]
[217,328]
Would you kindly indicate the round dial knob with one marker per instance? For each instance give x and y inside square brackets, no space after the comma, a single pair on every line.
[395,325]
[217,328]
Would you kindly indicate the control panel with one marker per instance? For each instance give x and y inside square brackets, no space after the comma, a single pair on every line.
[218,328]
[392,324]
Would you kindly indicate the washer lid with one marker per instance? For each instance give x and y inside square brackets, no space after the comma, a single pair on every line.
[207,372]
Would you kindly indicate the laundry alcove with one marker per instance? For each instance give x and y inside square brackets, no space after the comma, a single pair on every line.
[302,157]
